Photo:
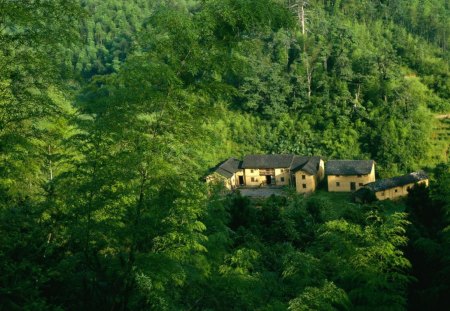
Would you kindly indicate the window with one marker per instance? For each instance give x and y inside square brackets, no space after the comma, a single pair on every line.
[361,184]
[359,176]
[338,175]
[282,179]
[382,193]
[338,184]
[251,171]
[304,186]
[303,177]
[396,190]
[253,179]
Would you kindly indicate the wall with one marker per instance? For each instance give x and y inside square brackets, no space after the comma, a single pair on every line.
[321,172]
[249,173]
[232,182]
[310,181]
[237,174]
[259,180]
[282,173]
[345,181]
[397,192]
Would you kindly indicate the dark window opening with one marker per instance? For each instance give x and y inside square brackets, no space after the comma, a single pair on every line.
[282,179]
[303,176]
[304,186]
[338,184]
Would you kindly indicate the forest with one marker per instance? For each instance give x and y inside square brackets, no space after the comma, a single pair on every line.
[111,113]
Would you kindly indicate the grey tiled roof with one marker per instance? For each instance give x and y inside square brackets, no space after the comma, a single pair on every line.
[293,162]
[267,161]
[298,162]
[398,181]
[228,167]
[307,164]
[348,167]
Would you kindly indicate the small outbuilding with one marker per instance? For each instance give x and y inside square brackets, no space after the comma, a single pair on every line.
[396,187]
[228,172]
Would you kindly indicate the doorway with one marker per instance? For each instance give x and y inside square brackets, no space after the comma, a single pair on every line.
[268,179]
[241,180]
[352,186]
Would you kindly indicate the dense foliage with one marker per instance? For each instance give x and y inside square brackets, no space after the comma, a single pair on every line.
[111,111]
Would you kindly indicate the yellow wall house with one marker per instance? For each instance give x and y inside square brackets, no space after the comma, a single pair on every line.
[307,173]
[396,187]
[349,175]
[303,172]
[228,172]
[267,169]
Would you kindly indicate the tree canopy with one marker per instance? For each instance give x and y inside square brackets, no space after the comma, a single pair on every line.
[112,111]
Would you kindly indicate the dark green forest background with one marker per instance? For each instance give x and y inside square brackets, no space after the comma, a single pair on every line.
[112,111]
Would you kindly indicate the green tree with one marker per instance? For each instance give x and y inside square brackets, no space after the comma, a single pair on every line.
[327,297]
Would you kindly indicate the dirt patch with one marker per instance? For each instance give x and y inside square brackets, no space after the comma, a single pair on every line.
[262,192]
[442,116]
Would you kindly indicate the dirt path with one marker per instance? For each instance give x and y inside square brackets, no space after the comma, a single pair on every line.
[442,116]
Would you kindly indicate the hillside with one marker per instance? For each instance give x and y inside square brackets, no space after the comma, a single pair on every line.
[112,111]
[349,82]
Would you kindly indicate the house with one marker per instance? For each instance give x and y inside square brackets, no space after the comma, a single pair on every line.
[395,187]
[267,169]
[303,172]
[349,175]
[307,173]
[228,172]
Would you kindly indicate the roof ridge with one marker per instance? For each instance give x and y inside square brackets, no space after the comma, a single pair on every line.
[292,161]
[309,160]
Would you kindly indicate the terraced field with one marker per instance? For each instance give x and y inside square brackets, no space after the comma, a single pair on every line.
[441,138]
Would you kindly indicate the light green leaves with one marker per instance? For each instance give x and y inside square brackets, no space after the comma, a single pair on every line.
[329,297]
